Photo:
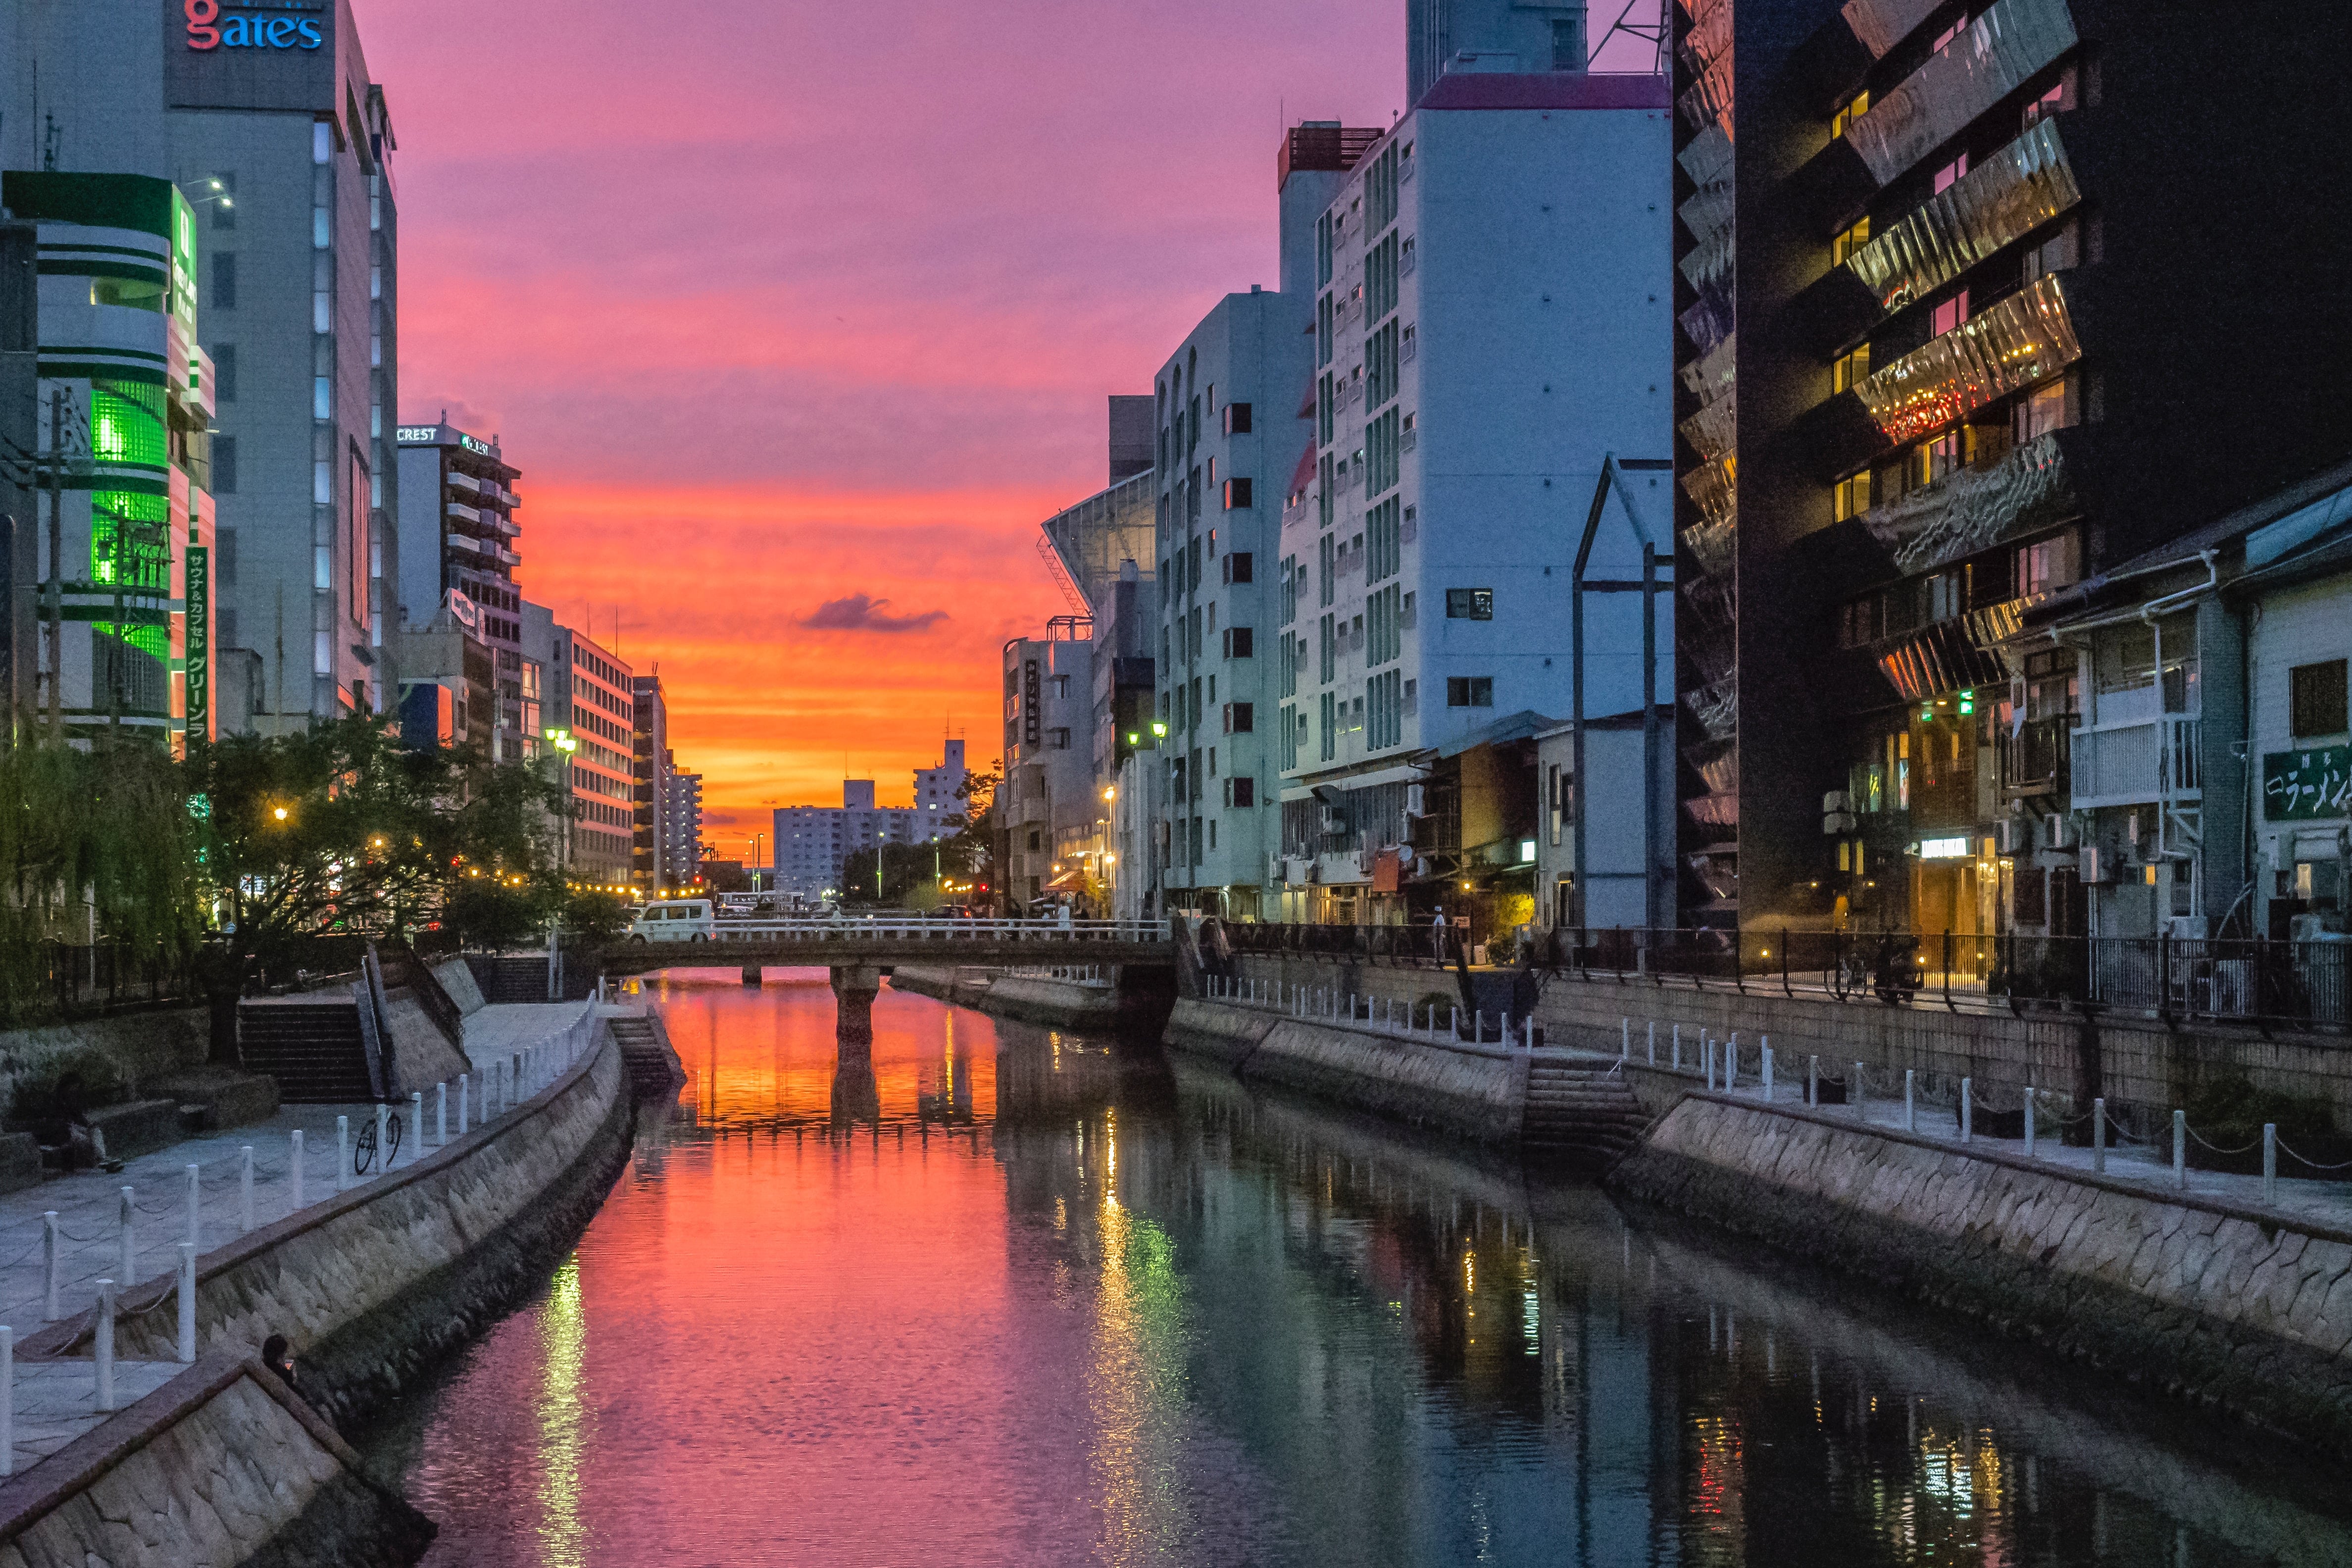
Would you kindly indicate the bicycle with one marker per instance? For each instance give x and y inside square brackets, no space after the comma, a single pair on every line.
[364,1148]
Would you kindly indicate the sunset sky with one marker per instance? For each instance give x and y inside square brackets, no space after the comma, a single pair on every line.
[799,319]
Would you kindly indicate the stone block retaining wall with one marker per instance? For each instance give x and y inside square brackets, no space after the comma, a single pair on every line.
[222,1465]
[2143,1069]
[1477,1091]
[2236,1307]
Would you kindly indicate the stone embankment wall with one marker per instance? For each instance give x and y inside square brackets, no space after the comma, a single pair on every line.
[1135,999]
[374,1285]
[965,986]
[116,1058]
[2140,1068]
[222,1465]
[1470,1090]
[2241,1307]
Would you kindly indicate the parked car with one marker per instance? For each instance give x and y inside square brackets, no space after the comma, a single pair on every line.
[683,920]
[953,912]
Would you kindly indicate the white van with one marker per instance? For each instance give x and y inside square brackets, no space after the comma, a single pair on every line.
[686,919]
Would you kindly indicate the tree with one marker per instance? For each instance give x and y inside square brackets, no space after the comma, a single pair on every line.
[340,830]
[969,858]
[92,842]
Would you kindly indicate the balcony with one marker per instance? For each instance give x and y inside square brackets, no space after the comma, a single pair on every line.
[2025,489]
[2023,337]
[2033,760]
[2142,763]
[2014,192]
[1993,59]
[462,514]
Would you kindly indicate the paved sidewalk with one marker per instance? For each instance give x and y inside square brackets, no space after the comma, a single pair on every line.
[54,1399]
[2150,1165]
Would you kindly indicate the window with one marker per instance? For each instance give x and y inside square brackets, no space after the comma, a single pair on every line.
[224,294]
[225,372]
[1848,112]
[224,465]
[1241,642]
[1859,621]
[1237,418]
[2050,102]
[1568,43]
[1959,25]
[1941,456]
[2042,412]
[1239,565]
[1850,371]
[2316,699]
[2055,254]
[1469,605]
[2042,565]
[1945,595]
[1850,497]
[1237,495]
[1241,718]
[1842,247]
[1951,174]
[1469,692]
[1240,791]
[1951,313]
[1059,738]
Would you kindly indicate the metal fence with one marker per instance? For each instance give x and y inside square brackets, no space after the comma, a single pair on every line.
[2177,981]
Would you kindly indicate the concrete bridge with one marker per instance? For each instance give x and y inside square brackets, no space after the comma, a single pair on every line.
[860,952]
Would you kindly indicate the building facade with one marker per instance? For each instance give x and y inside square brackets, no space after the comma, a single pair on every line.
[1989,364]
[1048,802]
[653,860]
[457,532]
[1490,325]
[938,794]
[814,842]
[682,825]
[123,413]
[593,712]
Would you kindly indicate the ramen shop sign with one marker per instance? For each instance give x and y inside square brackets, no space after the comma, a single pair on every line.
[214,25]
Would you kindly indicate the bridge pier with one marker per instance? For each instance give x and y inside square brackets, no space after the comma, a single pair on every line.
[855,986]
[751,976]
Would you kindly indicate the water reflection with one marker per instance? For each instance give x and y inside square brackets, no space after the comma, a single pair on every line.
[996,1294]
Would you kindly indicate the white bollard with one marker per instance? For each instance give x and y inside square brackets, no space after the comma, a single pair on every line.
[1678,1048]
[1731,1063]
[1910,1104]
[103,1350]
[382,1139]
[195,1207]
[1625,1039]
[1454,1018]
[54,1264]
[1653,1042]
[1855,1089]
[1527,1029]
[1478,1024]
[245,1190]
[2029,1122]
[2099,1135]
[7,1401]
[129,1250]
[343,1151]
[2180,1149]
[294,1164]
[1967,1107]
[187,1303]
[415,1126]
[462,1087]
[1768,1068]
[2270,1162]
[441,1114]
[515,1093]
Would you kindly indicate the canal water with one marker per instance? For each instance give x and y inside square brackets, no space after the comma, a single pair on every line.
[1018,1297]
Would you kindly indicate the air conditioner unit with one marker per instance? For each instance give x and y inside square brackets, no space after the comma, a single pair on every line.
[1837,822]
[1333,820]
[1412,801]
[1835,804]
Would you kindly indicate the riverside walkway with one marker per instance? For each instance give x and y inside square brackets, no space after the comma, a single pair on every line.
[55,1401]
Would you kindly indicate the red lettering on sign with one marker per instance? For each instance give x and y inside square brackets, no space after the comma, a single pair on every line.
[202,14]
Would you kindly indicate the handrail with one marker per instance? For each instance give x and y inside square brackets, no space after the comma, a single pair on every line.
[824,929]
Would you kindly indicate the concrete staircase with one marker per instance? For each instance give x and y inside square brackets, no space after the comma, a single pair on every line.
[1582,1112]
[311,1048]
[654,1072]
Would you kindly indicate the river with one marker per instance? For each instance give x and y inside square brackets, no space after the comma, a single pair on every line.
[1015,1296]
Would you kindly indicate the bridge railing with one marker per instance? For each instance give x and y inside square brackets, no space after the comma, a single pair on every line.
[916,929]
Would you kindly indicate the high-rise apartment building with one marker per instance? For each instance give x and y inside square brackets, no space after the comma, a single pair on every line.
[652,857]
[457,533]
[123,411]
[1988,336]
[1490,322]
[682,825]
[814,842]
[1047,806]
[594,711]
[939,793]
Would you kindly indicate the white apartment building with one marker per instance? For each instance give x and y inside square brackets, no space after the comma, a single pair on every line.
[814,841]
[936,796]
[1492,318]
